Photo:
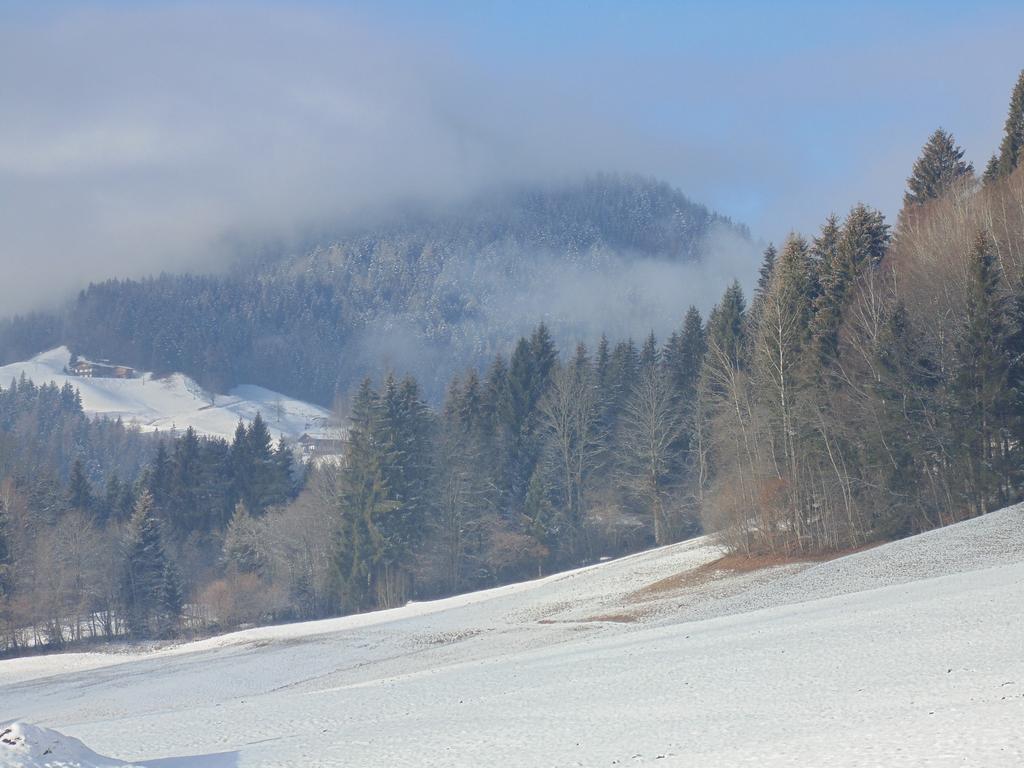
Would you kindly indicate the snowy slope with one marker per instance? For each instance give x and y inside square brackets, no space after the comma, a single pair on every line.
[904,655]
[175,401]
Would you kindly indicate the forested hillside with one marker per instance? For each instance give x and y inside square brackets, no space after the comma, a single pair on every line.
[424,292]
[870,388]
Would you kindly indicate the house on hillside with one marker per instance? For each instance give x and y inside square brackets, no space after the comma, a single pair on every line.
[319,447]
[104,369]
[81,368]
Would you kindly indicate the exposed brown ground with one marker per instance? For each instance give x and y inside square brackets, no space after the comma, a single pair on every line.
[730,564]
[639,602]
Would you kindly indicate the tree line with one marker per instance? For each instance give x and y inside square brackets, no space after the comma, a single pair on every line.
[870,388]
[105,531]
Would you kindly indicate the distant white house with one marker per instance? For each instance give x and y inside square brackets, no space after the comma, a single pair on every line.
[103,369]
[319,447]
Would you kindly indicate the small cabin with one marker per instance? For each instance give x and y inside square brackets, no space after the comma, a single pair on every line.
[315,447]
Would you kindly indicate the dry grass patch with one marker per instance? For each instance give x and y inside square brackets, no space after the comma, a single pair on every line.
[729,565]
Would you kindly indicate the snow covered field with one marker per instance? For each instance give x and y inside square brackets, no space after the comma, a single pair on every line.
[909,654]
[175,401]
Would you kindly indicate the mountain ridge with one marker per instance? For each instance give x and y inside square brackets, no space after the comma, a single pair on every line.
[437,291]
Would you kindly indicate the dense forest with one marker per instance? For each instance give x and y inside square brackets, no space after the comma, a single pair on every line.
[422,291]
[870,388]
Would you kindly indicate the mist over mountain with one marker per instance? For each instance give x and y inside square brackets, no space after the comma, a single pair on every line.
[425,291]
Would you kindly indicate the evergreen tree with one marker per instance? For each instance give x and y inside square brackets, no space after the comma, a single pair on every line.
[160,479]
[991,170]
[183,511]
[649,356]
[981,391]
[727,326]
[938,168]
[684,356]
[5,555]
[603,361]
[544,354]
[1012,146]
[864,241]
[111,504]
[764,277]
[1015,391]
[240,462]
[80,495]
[144,589]
[541,512]
[242,552]
[171,601]
[284,468]
[842,256]
[364,500]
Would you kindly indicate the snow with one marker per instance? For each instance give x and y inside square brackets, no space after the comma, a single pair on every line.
[907,654]
[176,401]
[28,746]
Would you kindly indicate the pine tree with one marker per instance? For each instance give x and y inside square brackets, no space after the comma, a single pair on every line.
[111,504]
[544,353]
[1012,146]
[842,255]
[80,494]
[540,512]
[170,602]
[1015,392]
[727,326]
[603,361]
[242,552]
[981,391]
[144,575]
[864,241]
[160,478]
[5,554]
[938,168]
[284,467]
[364,503]
[991,170]
[649,356]
[183,510]
[764,277]
[684,356]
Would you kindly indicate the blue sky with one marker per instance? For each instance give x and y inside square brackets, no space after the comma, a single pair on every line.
[160,135]
[835,97]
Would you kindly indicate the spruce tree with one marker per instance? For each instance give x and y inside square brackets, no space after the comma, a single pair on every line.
[364,503]
[242,553]
[144,573]
[80,495]
[160,478]
[284,467]
[938,168]
[649,356]
[991,170]
[1012,146]
[981,391]
[684,357]
[727,326]
[183,510]
[171,601]
[5,554]
[764,277]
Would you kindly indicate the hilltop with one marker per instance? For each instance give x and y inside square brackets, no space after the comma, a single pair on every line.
[423,290]
[174,401]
